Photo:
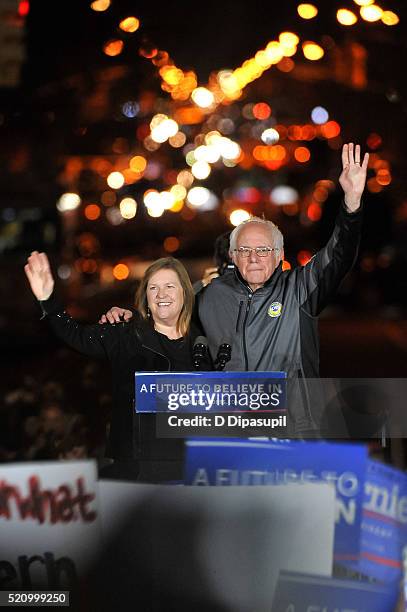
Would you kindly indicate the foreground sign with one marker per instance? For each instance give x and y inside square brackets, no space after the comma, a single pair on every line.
[230,542]
[250,462]
[384,523]
[49,531]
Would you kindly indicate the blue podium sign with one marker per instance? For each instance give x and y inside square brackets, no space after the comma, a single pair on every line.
[306,593]
[206,392]
[254,462]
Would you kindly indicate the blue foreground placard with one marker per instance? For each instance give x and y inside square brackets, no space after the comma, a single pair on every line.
[306,593]
[384,523]
[206,392]
[255,462]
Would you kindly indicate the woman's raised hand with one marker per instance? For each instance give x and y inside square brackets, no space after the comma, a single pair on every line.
[39,275]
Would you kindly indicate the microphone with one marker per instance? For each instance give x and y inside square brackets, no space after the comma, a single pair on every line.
[199,351]
[223,356]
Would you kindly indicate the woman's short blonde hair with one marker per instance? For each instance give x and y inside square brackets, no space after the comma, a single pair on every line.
[168,263]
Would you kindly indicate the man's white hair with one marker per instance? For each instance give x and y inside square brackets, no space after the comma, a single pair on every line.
[276,237]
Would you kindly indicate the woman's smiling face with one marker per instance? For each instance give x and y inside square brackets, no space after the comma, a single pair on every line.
[165,297]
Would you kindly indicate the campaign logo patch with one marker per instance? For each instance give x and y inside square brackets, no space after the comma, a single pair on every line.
[275,309]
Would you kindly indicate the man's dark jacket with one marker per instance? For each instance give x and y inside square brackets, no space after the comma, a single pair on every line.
[275,328]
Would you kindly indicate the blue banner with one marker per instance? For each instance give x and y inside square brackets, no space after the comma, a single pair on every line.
[305,593]
[384,523]
[196,392]
[251,462]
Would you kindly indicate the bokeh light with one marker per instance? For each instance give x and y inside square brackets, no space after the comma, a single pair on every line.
[283,195]
[179,192]
[238,216]
[303,257]
[314,212]
[128,208]
[346,17]
[115,180]
[138,163]
[261,111]
[121,271]
[288,39]
[307,11]
[167,199]
[129,24]
[319,115]
[130,109]
[270,136]
[185,178]
[68,201]
[302,154]
[331,129]
[178,140]
[171,244]
[374,141]
[389,18]
[312,51]
[371,13]
[108,198]
[23,8]
[201,169]
[100,5]
[113,47]
[164,129]
[113,215]
[203,97]
[92,212]
[198,196]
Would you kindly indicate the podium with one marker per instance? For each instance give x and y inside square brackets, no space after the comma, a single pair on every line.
[237,404]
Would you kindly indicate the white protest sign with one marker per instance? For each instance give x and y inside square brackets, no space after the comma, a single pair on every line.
[49,523]
[223,546]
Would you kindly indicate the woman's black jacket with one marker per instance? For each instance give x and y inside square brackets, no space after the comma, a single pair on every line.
[130,347]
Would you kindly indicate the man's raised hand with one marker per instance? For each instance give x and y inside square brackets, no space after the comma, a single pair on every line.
[353,176]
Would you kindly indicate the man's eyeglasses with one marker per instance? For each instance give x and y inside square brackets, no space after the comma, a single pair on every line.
[260,251]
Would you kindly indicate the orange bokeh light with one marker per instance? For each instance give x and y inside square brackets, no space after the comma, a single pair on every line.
[261,111]
[302,154]
[138,164]
[331,129]
[383,177]
[188,115]
[92,212]
[308,132]
[303,257]
[113,47]
[286,64]
[374,141]
[89,266]
[121,271]
[272,153]
[314,212]
[294,132]
[373,186]
[148,52]
[171,244]
[130,24]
